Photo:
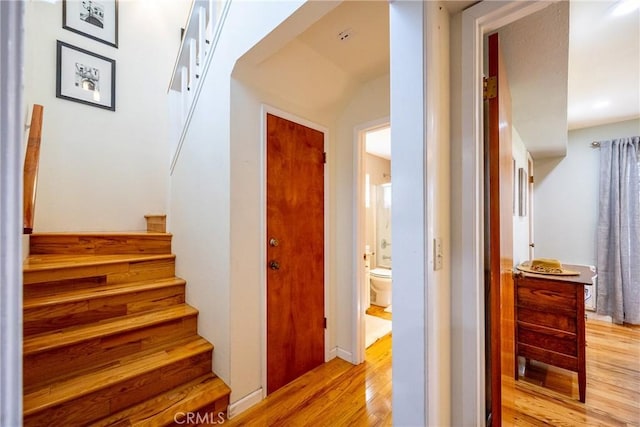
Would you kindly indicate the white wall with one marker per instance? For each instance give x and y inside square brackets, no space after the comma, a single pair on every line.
[566,195]
[99,169]
[370,102]
[438,190]
[11,220]
[247,233]
[520,223]
[420,169]
[221,258]
[215,212]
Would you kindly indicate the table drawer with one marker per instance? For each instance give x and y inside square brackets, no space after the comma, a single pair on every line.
[560,321]
[549,357]
[549,339]
[546,296]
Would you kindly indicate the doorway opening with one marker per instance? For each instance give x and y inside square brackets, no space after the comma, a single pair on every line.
[373,245]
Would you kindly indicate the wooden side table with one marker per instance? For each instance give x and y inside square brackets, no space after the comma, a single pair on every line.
[550,320]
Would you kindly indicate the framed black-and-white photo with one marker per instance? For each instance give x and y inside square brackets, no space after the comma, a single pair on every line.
[85,77]
[516,188]
[96,19]
[522,192]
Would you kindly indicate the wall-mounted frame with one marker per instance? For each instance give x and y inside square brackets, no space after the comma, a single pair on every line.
[96,19]
[515,187]
[85,77]
[522,192]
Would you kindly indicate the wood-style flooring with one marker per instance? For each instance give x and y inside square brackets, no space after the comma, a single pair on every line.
[334,394]
[548,396]
[376,310]
[340,394]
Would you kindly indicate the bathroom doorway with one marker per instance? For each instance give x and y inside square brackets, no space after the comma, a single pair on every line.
[376,231]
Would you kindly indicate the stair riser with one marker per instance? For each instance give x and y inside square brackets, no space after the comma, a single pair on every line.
[37,290]
[51,317]
[47,366]
[115,273]
[99,404]
[108,338]
[106,244]
[145,270]
[204,395]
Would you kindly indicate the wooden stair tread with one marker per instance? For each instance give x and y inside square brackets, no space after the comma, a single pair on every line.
[100,292]
[107,336]
[100,243]
[162,409]
[72,388]
[101,233]
[63,337]
[53,262]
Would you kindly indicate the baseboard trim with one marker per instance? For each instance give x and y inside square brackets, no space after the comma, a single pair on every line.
[332,354]
[344,355]
[245,403]
[595,316]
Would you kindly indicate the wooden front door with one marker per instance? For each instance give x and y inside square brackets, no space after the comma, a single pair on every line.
[499,231]
[295,250]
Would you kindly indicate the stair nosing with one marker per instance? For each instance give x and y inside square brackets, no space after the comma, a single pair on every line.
[129,351]
[77,334]
[101,291]
[90,260]
[101,233]
[120,373]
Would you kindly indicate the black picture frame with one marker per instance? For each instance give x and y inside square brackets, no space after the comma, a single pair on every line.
[85,77]
[95,19]
[522,192]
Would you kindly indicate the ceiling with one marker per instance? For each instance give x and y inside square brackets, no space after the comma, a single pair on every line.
[378,142]
[536,53]
[570,65]
[355,37]
[604,63]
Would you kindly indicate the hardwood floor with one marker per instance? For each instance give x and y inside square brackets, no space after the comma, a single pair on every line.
[338,393]
[376,310]
[548,396]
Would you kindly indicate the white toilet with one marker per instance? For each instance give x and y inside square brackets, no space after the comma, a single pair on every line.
[380,286]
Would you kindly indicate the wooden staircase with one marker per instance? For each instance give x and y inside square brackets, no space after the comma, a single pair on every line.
[108,339]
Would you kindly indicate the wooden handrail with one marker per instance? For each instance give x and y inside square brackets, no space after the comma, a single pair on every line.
[31,165]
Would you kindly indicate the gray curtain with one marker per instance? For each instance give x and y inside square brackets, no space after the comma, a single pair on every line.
[618,233]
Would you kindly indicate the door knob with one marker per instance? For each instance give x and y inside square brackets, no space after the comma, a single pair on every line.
[273,241]
[274,265]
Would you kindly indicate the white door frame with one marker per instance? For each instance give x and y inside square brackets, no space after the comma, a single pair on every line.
[359,219]
[467,211]
[11,158]
[263,232]
[530,187]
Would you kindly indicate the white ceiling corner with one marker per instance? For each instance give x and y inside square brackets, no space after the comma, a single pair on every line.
[536,51]
[604,63]
[570,65]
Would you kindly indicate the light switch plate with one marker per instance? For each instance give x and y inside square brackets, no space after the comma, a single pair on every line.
[437,253]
